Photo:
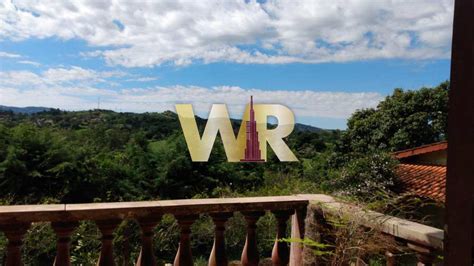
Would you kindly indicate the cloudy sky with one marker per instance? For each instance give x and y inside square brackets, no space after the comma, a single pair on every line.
[323,59]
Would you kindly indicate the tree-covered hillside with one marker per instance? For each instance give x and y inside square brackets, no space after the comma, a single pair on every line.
[102,155]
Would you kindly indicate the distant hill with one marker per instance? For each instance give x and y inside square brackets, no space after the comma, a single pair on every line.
[308,128]
[93,116]
[298,127]
[24,110]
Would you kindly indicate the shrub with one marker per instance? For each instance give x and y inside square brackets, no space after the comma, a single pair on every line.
[367,178]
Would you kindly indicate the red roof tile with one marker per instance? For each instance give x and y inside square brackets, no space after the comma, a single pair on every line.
[443,145]
[423,180]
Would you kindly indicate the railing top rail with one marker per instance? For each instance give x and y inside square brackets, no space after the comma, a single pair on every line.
[400,228]
[123,210]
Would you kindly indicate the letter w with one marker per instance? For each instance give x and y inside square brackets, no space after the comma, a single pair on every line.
[218,121]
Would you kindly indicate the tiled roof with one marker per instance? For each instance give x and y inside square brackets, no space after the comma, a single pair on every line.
[423,180]
[443,145]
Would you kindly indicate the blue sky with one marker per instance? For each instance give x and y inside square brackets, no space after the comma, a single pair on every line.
[322,59]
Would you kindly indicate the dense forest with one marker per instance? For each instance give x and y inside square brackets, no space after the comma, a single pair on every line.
[99,155]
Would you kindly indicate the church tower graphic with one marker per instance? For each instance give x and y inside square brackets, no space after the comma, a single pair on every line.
[252,148]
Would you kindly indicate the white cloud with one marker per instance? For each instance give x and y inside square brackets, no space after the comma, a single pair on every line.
[70,74]
[308,103]
[9,55]
[24,88]
[75,73]
[28,62]
[142,79]
[151,33]
[20,78]
[59,77]
[17,56]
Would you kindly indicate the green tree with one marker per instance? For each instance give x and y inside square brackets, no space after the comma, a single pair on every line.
[403,120]
[367,178]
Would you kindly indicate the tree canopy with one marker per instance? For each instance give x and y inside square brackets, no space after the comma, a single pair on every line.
[403,120]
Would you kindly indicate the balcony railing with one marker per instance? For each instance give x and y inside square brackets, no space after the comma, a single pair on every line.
[425,241]
[15,221]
